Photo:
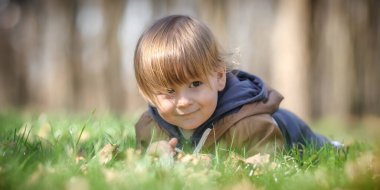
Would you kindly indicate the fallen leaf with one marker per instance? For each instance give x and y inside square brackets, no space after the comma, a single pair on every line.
[205,159]
[199,159]
[186,158]
[233,160]
[106,153]
[258,159]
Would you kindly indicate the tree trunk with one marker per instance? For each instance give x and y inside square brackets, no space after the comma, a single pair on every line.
[333,67]
[115,89]
[290,69]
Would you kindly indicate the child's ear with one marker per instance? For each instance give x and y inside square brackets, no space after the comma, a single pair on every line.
[221,76]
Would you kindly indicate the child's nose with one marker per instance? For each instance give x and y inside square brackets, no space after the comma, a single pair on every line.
[183,100]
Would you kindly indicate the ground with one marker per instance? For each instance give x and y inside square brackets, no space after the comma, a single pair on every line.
[42,151]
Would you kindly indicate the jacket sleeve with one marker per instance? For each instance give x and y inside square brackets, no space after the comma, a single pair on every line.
[147,131]
[255,134]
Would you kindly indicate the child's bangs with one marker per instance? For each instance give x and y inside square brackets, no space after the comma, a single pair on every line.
[176,70]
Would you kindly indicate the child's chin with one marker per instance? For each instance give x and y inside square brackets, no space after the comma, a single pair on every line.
[189,127]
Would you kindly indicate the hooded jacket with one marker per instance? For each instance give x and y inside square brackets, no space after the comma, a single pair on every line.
[247,116]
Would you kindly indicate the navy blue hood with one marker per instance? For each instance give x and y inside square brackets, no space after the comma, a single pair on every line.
[241,88]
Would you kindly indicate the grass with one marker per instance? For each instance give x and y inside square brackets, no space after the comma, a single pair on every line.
[96,152]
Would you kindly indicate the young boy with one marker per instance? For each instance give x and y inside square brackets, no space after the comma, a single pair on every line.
[195,100]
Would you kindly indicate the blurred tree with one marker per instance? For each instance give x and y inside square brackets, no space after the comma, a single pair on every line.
[16,17]
[364,18]
[77,54]
[334,60]
[291,55]
[116,87]
[345,54]
[96,61]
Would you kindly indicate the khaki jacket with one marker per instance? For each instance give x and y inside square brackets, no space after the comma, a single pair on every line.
[252,128]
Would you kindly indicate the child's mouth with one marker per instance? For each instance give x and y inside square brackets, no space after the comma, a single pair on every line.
[187,113]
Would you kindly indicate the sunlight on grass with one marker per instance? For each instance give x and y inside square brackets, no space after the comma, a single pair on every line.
[97,152]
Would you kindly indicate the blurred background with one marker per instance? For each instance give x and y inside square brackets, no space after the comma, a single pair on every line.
[77,55]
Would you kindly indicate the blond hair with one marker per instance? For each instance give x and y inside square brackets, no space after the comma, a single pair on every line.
[173,51]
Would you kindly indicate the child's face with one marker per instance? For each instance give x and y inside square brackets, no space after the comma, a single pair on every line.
[188,106]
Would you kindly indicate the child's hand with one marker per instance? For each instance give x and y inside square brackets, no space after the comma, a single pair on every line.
[163,148]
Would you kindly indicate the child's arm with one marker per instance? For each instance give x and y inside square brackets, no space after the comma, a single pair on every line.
[255,134]
[147,131]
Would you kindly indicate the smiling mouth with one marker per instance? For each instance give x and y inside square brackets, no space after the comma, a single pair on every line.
[187,114]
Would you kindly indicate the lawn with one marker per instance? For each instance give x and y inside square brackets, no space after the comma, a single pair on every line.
[42,151]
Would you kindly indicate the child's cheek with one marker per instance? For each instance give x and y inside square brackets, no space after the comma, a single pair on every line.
[166,107]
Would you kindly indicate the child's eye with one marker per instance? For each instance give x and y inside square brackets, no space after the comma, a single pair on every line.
[195,84]
[170,91]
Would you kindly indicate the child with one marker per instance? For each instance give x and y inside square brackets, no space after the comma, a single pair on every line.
[195,99]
